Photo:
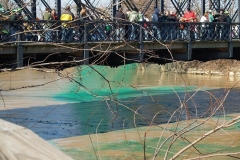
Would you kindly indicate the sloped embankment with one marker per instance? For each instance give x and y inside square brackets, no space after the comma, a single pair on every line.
[215,67]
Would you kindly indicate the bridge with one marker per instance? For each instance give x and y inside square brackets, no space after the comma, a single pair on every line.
[89,40]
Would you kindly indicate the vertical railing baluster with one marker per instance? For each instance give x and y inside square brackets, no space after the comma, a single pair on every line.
[230,43]
[141,45]
[86,47]
[19,52]
[189,45]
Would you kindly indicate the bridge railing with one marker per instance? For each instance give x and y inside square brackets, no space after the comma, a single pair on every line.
[105,31]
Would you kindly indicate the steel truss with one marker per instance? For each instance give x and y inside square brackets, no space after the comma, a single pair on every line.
[199,6]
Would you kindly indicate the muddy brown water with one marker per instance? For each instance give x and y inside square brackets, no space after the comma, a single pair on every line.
[59,109]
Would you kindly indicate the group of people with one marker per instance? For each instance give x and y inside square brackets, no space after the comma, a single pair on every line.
[170,31]
[218,32]
[125,25]
[206,30]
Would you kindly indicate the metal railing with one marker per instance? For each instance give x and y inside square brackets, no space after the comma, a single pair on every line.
[105,31]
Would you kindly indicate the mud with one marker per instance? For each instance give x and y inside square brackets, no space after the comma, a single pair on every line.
[129,143]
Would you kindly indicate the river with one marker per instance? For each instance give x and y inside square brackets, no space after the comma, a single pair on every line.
[88,99]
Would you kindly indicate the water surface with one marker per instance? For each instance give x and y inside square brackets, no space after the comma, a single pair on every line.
[84,100]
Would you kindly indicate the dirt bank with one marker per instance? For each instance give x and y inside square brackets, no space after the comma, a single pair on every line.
[229,67]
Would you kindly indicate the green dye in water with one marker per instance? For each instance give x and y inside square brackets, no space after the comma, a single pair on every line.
[102,82]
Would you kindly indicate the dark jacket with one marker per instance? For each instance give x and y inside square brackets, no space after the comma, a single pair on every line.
[163,18]
[228,19]
[171,18]
[17,24]
[155,16]
[221,18]
[119,16]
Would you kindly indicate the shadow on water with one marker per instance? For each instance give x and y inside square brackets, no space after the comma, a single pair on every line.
[73,119]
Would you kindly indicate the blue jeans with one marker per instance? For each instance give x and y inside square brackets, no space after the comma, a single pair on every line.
[66,34]
[133,32]
[182,34]
[156,32]
[119,33]
[173,34]
[48,36]
[12,33]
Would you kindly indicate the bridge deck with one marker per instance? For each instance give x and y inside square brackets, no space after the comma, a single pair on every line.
[46,48]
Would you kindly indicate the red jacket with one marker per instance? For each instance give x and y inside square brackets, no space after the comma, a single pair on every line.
[188,16]
[54,16]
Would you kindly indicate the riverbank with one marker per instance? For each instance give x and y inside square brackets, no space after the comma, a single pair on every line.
[228,67]
[133,143]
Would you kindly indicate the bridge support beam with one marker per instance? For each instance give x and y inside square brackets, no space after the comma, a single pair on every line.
[189,4]
[189,50]
[238,11]
[58,7]
[33,9]
[114,8]
[86,54]
[79,8]
[203,7]
[141,44]
[19,52]
[230,49]
[141,54]
[159,4]
[189,44]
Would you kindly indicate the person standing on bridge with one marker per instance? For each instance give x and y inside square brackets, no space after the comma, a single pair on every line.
[55,25]
[88,28]
[172,27]
[189,16]
[204,27]
[220,27]
[66,15]
[54,14]
[134,17]
[155,20]
[226,31]
[163,26]
[16,26]
[119,18]
[47,16]
[211,25]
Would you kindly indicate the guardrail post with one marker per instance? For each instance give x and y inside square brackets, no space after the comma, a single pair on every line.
[189,50]
[230,43]
[86,46]
[230,49]
[19,52]
[141,44]
[189,45]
